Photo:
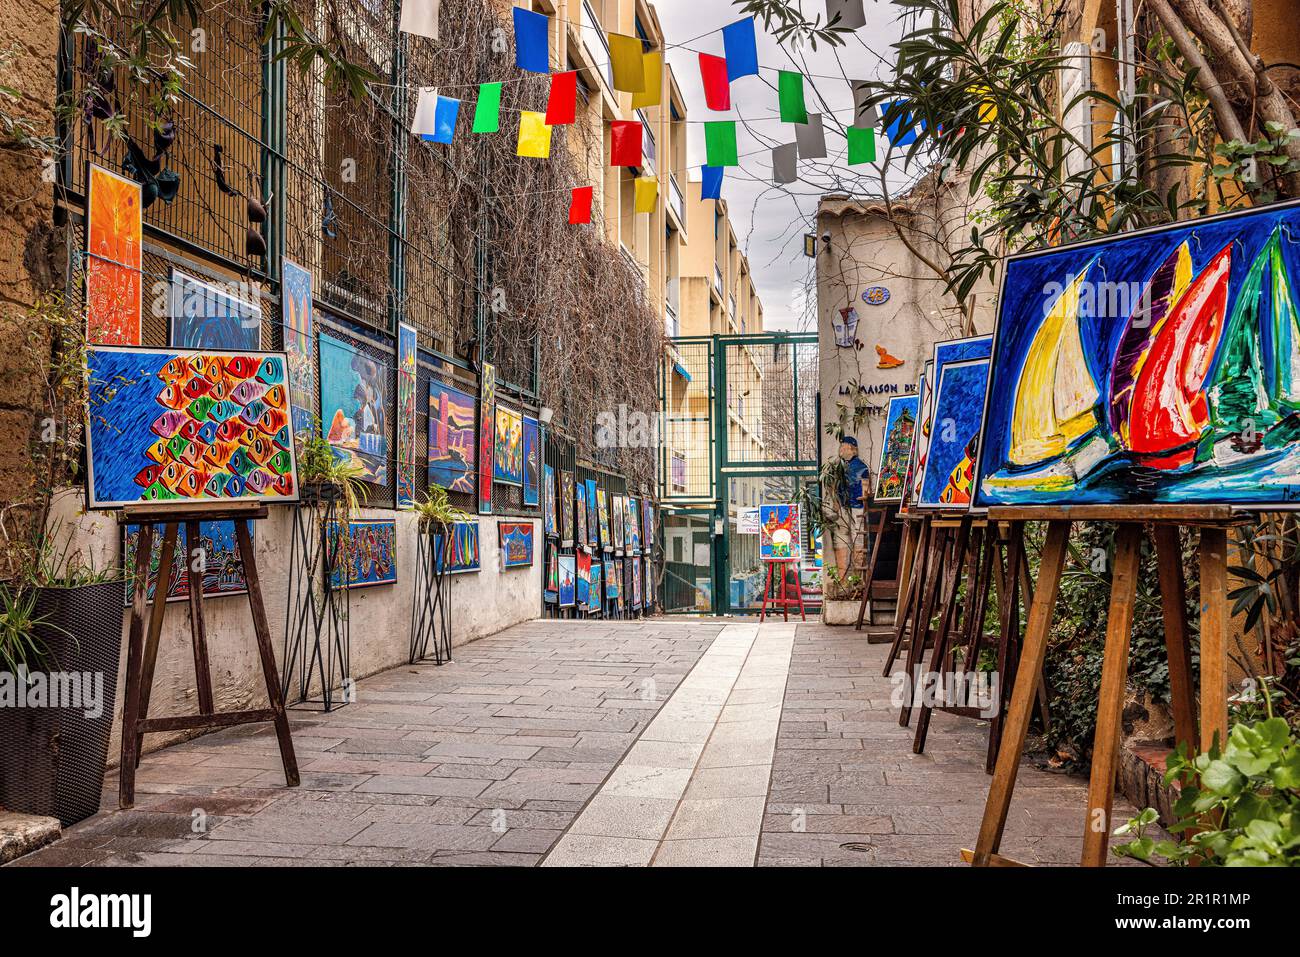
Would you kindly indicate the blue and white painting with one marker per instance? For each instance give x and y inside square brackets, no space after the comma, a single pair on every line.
[204,316]
[568,580]
[958,403]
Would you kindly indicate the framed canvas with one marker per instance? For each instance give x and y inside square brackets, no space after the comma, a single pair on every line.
[602,518]
[611,580]
[594,602]
[580,512]
[618,522]
[451,438]
[204,316]
[949,478]
[487,435]
[367,552]
[636,584]
[593,515]
[1156,366]
[463,555]
[648,521]
[583,581]
[633,534]
[508,448]
[516,541]
[566,507]
[551,585]
[779,533]
[949,350]
[223,569]
[924,392]
[354,408]
[190,426]
[407,352]
[299,334]
[568,578]
[896,447]
[114,255]
[532,460]
[551,522]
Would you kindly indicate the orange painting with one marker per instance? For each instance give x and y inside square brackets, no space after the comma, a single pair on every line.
[113,247]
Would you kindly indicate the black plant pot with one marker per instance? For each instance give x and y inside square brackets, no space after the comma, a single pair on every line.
[52,758]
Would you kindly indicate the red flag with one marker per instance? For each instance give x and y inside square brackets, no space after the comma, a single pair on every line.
[625,143]
[562,107]
[580,205]
[717,89]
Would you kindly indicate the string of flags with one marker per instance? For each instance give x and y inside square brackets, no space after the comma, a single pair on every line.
[639,72]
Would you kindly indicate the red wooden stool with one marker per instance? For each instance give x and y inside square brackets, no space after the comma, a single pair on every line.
[783,599]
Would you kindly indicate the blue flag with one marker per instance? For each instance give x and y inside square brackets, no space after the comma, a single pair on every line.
[444,120]
[903,129]
[711,188]
[532,47]
[741,48]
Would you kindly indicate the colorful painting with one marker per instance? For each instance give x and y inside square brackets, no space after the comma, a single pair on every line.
[896,449]
[580,511]
[636,585]
[551,522]
[296,315]
[114,247]
[188,426]
[593,572]
[365,552]
[566,506]
[464,552]
[950,350]
[611,580]
[532,460]
[648,521]
[633,534]
[949,478]
[602,518]
[516,540]
[487,400]
[779,532]
[551,586]
[223,569]
[618,522]
[407,348]
[921,436]
[508,448]
[354,404]
[451,438]
[1157,366]
[583,581]
[205,317]
[593,514]
[568,580]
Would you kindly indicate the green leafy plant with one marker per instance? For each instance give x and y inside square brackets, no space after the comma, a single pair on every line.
[319,468]
[1238,806]
[437,512]
[19,646]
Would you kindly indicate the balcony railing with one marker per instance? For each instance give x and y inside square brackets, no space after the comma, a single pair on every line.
[600,52]
[717,278]
[676,199]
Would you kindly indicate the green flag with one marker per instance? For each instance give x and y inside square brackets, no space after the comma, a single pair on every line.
[487,111]
[862,145]
[790,92]
[720,143]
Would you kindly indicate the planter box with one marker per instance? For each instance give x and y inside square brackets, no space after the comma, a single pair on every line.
[52,758]
[840,612]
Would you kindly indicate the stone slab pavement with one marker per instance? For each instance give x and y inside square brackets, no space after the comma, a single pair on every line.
[668,742]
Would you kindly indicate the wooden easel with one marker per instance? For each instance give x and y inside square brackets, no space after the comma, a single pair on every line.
[918,537]
[142,649]
[869,579]
[782,599]
[1213,521]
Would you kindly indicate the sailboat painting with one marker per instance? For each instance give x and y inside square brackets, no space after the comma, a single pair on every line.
[1160,367]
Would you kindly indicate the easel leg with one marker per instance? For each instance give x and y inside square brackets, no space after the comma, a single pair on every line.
[1110,705]
[921,623]
[767,590]
[868,580]
[156,612]
[134,652]
[1022,698]
[912,593]
[198,625]
[1027,588]
[1214,636]
[1173,605]
[941,639]
[263,633]
[1008,633]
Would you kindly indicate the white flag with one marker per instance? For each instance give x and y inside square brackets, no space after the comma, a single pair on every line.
[425,122]
[850,13]
[420,17]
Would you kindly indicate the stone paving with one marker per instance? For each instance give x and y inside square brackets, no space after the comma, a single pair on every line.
[667,742]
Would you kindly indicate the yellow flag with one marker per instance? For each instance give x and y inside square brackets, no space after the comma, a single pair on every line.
[534,135]
[652,68]
[625,55]
[988,111]
[647,191]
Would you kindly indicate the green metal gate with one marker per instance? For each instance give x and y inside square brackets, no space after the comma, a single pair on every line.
[740,428]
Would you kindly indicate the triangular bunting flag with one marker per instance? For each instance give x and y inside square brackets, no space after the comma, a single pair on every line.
[740,48]
[647,191]
[420,17]
[717,88]
[785,164]
[628,72]
[862,145]
[625,143]
[720,143]
[810,137]
[850,13]
[790,94]
[580,205]
[534,134]
[711,185]
[652,67]
[424,123]
[562,105]
[487,111]
[532,40]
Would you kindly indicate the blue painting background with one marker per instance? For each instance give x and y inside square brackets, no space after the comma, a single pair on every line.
[960,397]
[355,384]
[205,317]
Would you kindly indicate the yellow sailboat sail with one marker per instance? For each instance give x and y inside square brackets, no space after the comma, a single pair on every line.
[1056,396]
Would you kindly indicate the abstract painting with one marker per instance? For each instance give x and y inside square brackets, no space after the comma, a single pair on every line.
[593,572]
[611,580]
[296,315]
[508,447]
[1157,366]
[593,514]
[353,404]
[451,438]
[568,580]
[618,522]
[648,523]
[566,506]
[580,511]
[114,247]
[365,552]
[949,350]
[949,478]
[223,569]
[551,523]
[916,460]
[896,448]
[188,426]
[583,580]
[551,586]
[779,532]
[464,551]
[633,534]
[602,518]
[206,317]
[636,585]
[487,401]
[516,540]
[407,347]
[532,460]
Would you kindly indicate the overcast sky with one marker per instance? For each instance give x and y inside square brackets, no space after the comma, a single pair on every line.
[770,222]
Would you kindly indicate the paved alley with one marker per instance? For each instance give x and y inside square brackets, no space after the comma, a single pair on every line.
[665,742]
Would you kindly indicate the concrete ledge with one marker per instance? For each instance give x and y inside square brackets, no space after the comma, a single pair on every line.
[23,833]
